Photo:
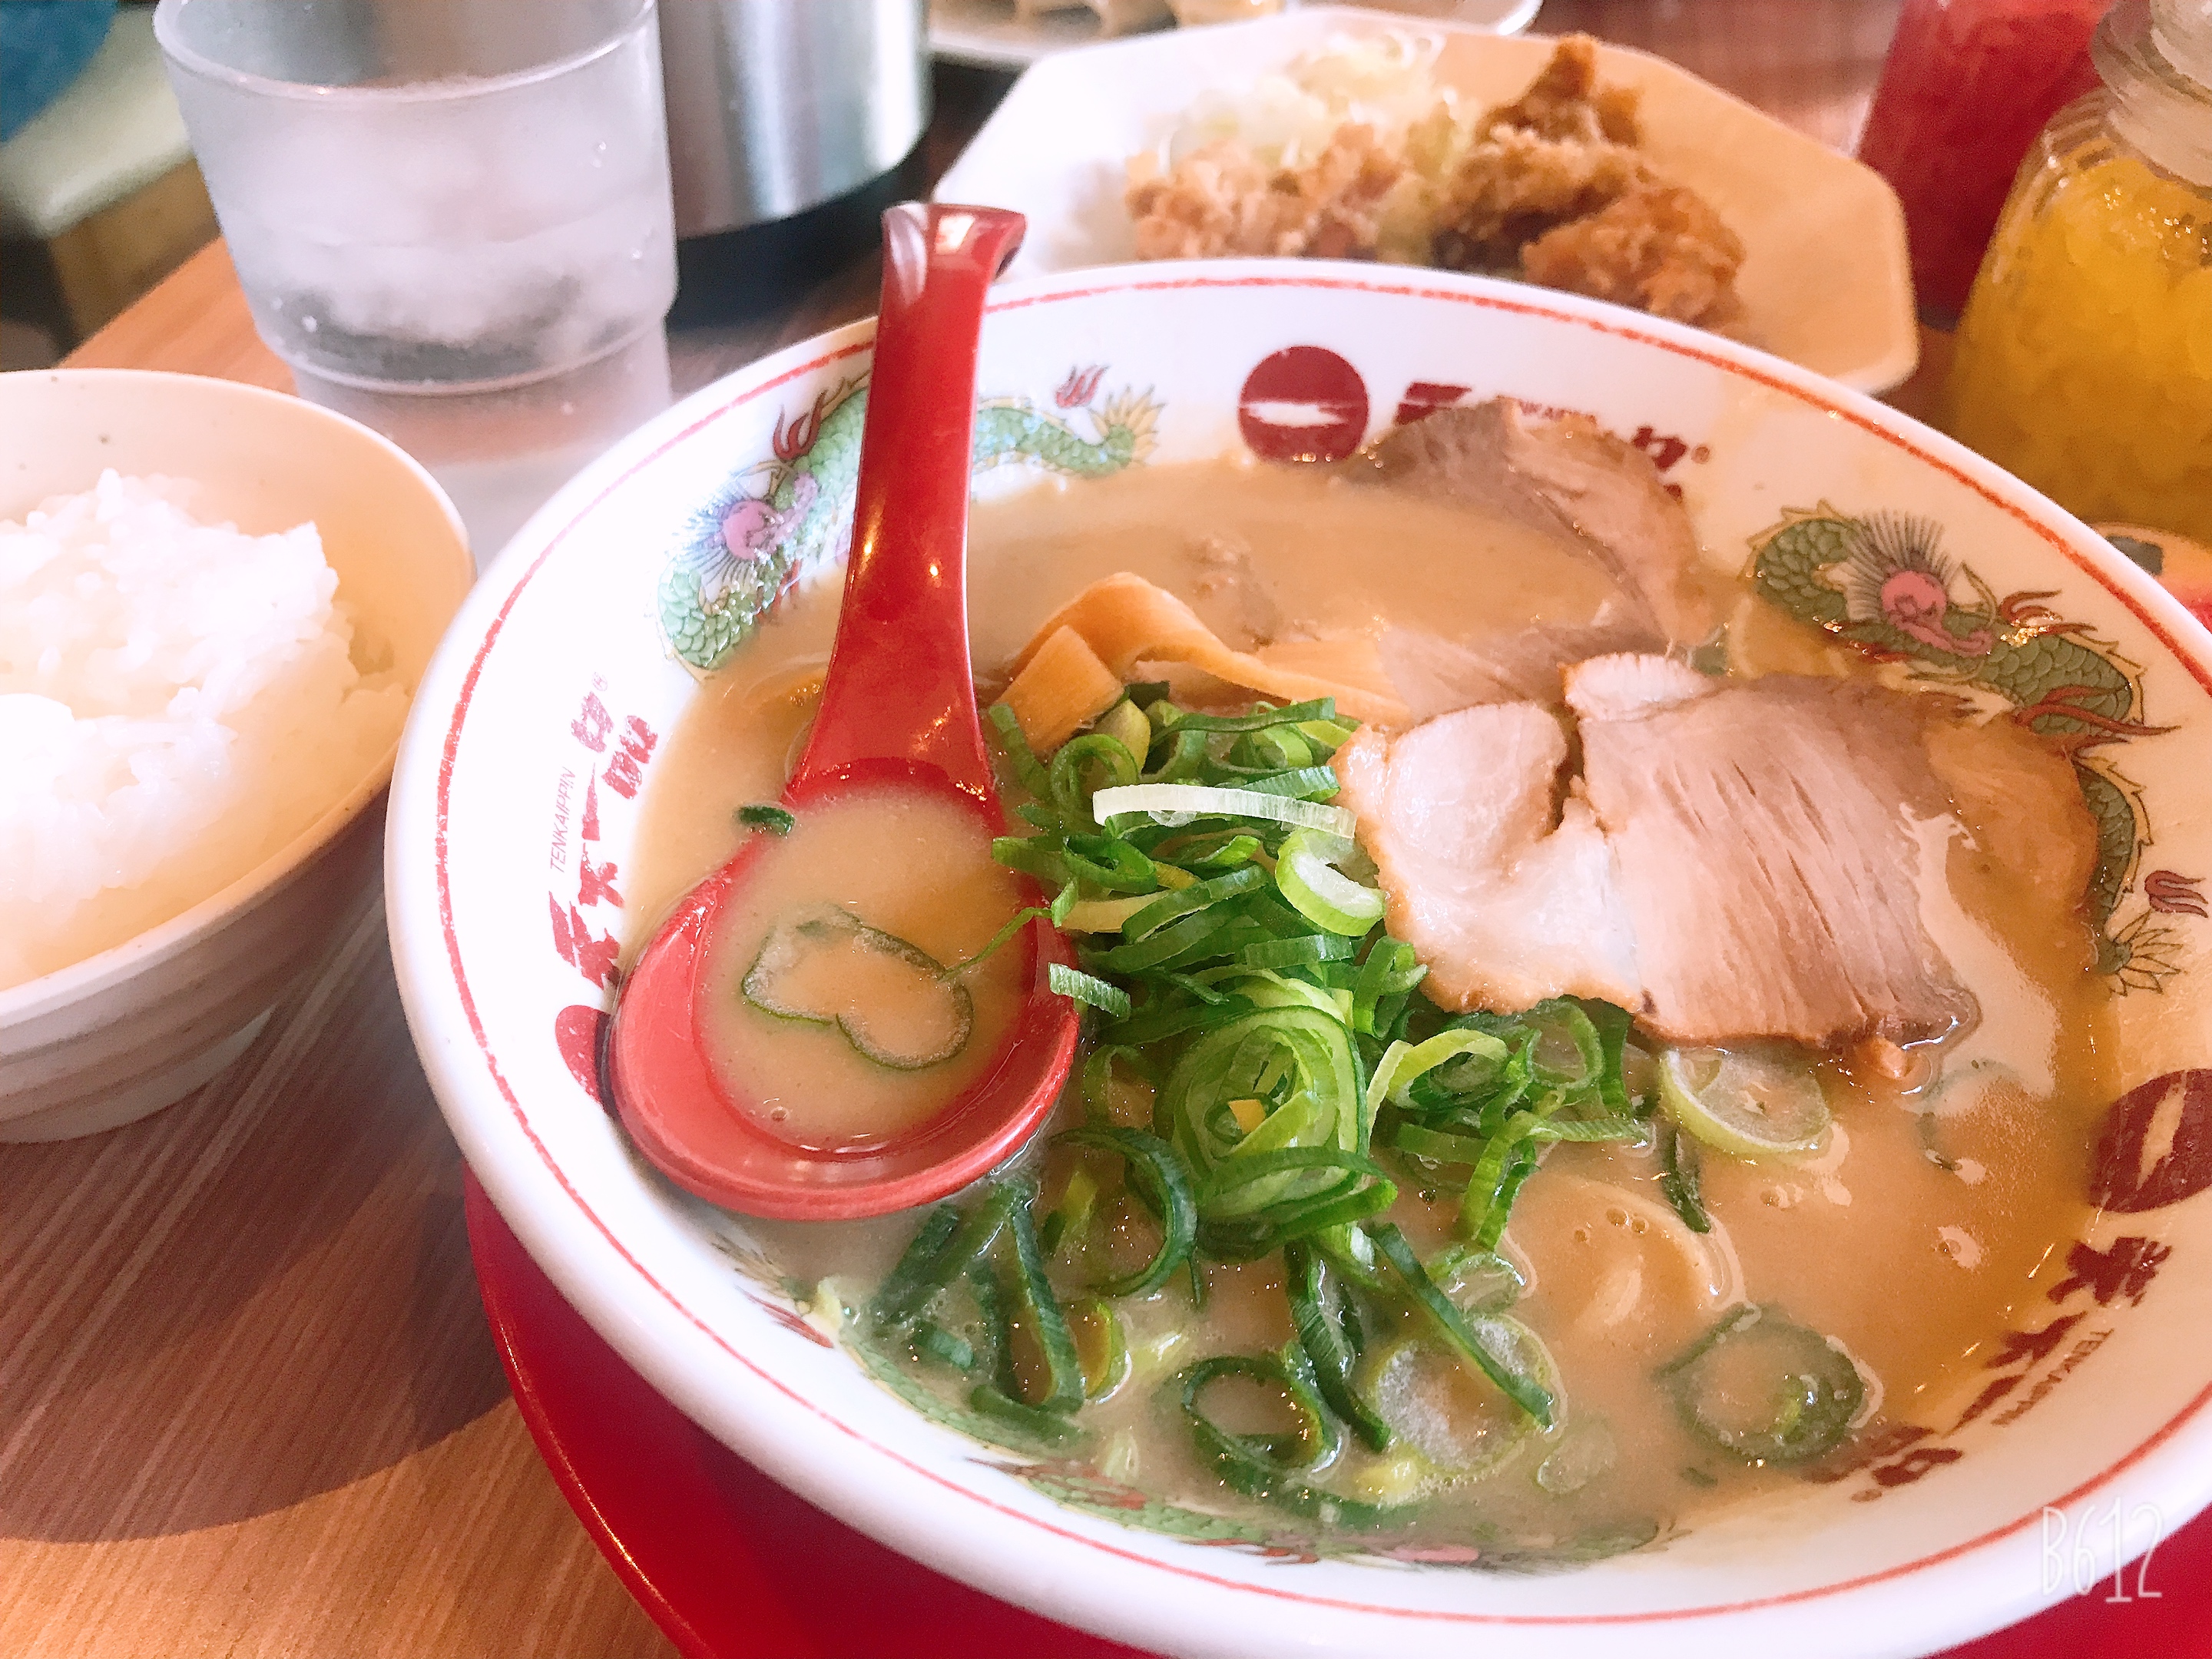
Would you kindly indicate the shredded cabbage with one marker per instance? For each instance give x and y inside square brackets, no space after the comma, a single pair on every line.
[1383,80]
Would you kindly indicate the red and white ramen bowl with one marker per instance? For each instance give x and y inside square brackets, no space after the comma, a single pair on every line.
[515,807]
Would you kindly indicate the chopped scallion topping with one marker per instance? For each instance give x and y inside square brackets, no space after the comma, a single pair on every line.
[1087,989]
[1179,803]
[770,820]
[1230,929]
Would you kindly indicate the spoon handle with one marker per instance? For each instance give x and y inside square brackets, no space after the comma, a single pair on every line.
[900,687]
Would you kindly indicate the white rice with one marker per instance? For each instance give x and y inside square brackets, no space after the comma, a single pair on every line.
[176,702]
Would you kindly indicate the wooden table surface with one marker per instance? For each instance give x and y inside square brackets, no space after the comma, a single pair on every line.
[248,1406]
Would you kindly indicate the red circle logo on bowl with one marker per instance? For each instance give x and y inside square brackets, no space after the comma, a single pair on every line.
[577,1031]
[1302,404]
[2156,1149]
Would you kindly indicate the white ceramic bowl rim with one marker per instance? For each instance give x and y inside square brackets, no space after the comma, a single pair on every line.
[172,938]
[578,1262]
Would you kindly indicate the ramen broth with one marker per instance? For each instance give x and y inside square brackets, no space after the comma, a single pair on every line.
[1922,1229]
[834,999]
[1338,563]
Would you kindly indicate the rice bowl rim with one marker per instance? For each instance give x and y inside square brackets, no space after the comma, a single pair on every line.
[166,941]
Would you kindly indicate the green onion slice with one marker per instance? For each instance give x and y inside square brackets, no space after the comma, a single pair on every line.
[1612,1025]
[770,820]
[1301,1060]
[1098,1078]
[1038,1311]
[1306,873]
[1223,851]
[1063,901]
[1483,1339]
[1179,944]
[1157,1177]
[1025,1422]
[1390,971]
[1439,1147]
[1767,1390]
[1088,988]
[1313,1440]
[1027,767]
[995,1351]
[1153,1024]
[1403,1062]
[932,1341]
[1307,949]
[1127,725]
[1013,925]
[1186,759]
[1320,708]
[920,1271]
[1272,1468]
[1178,804]
[1479,1282]
[1071,791]
[1199,895]
[1447,1409]
[1070,1219]
[1762,1102]
[1679,1178]
[1351,1251]
[804,972]
[1327,1343]
[1102,1345]
[1107,861]
[948,1243]
[1564,1031]
[1492,1187]
[1102,915]
[1303,782]
[1033,855]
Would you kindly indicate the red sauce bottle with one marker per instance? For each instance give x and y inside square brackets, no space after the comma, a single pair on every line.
[1967,87]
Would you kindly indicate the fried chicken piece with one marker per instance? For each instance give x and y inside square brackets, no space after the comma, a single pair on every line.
[1220,200]
[1551,187]
[1565,101]
[1516,184]
[1659,248]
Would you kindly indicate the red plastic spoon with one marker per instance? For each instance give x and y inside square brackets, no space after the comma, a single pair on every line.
[899,709]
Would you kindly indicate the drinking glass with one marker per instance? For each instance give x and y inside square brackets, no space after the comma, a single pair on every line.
[451,218]
[1965,86]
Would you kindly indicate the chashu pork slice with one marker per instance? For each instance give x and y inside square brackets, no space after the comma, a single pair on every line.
[1570,479]
[1764,833]
[2018,796]
[1506,891]
[1434,675]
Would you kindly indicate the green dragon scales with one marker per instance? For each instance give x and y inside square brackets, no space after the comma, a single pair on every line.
[1011,429]
[741,552]
[1883,582]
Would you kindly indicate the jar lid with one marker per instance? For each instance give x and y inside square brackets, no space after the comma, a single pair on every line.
[2156,58]
[2181,32]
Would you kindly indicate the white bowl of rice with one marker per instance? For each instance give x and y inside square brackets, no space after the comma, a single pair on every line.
[214,604]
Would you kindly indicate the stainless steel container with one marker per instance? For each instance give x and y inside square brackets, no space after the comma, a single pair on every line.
[775,106]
